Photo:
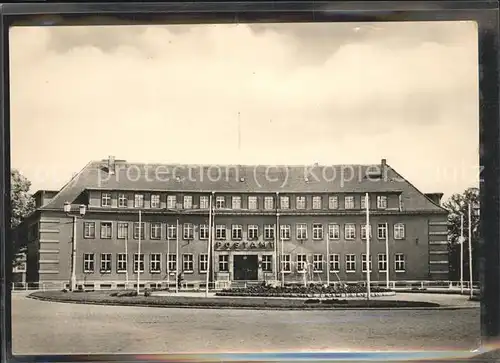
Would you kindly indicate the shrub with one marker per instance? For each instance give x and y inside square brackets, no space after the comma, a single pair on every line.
[298,291]
[147,292]
[311,301]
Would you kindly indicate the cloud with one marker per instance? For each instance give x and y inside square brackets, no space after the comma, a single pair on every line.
[304,92]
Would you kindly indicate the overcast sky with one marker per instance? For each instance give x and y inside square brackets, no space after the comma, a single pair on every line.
[306,93]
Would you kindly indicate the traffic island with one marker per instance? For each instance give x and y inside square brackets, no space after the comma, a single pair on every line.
[128,299]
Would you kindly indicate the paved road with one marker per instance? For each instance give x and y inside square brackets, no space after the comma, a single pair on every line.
[58,328]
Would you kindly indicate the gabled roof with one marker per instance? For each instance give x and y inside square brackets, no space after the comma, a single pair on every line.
[241,179]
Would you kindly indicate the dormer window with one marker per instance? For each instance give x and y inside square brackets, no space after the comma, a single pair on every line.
[381,202]
[106,199]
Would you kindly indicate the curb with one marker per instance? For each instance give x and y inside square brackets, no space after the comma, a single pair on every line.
[311,308]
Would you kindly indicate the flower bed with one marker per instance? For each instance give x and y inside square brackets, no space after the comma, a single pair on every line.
[303,291]
[125,299]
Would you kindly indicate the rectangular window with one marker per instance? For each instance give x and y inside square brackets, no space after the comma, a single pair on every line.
[220,202]
[363,262]
[301,229]
[334,263]
[88,262]
[236,232]
[188,231]
[121,265]
[105,199]
[155,263]
[381,202]
[236,202]
[350,263]
[349,202]
[363,202]
[171,201]
[122,230]
[252,202]
[171,231]
[155,200]
[300,202]
[138,262]
[138,230]
[203,231]
[268,203]
[350,231]
[399,262]
[399,231]
[318,263]
[106,230]
[267,263]
[172,262]
[382,231]
[139,200]
[317,202]
[286,263]
[317,231]
[285,231]
[105,262]
[204,202]
[333,202]
[188,201]
[155,230]
[220,232]
[363,231]
[187,262]
[89,230]
[285,202]
[269,231]
[333,231]
[253,232]
[122,200]
[301,263]
[224,263]
[382,262]
[203,263]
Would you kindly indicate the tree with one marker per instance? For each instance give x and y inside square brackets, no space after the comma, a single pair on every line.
[458,205]
[22,205]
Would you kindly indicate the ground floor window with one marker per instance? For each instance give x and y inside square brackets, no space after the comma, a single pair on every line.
[334,263]
[88,262]
[350,263]
[301,263]
[318,263]
[399,262]
[138,262]
[382,262]
[286,265]
[267,261]
[121,263]
[223,263]
[155,263]
[363,262]
[172,262]
[105,262]
[187,262]
[203,263]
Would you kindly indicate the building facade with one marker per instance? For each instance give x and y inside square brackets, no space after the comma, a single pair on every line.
[239,223]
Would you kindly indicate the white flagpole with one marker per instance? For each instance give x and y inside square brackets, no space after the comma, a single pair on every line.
[328,258]
[168,258]
[387,255]
[282,261]
[139,253]
[126,261]
[368,290]
[209,246]
[470,250]
[461,253]
[276,233]
[177,255]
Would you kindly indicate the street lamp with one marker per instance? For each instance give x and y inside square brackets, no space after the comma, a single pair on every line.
[82,211]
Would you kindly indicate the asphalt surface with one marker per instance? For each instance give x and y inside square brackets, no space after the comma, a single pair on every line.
[57,328]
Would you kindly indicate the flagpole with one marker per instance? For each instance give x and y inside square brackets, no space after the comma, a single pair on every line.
[470,250]
[168,259]
[368,290]
[139,253]
[276,234]
[282,261]
[126,261]
[387,255]
[209,246]
[328,259]
[461,253]
[177,255]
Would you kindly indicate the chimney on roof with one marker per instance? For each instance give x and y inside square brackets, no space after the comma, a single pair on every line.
[383,163]
[111,165]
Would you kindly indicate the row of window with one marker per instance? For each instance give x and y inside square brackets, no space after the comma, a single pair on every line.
[302,263]
[236,202]
[188,231]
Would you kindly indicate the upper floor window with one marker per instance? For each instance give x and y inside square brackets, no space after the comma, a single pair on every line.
[236,202]
[300,202]
[317,231]
[333,202]
[171,201]
[155,200]
[204,202]
[269,231]
[253,232]
[285,202]
[268,203]
[301,230]
[399,231]
[349,202]
[122,200]
[89,230]
[381,202]
[285,231]
[139,200]
[382,231]
[188,231]
[236,232]
[350,231]
[106,200]
[220,202]
[252,202]
[363,202]
[317,202]
[188,201]
[333,231]
[106,228]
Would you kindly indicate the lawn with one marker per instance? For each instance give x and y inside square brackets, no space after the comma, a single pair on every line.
[105,298]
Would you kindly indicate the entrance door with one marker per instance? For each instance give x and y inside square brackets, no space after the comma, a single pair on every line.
[245,267]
